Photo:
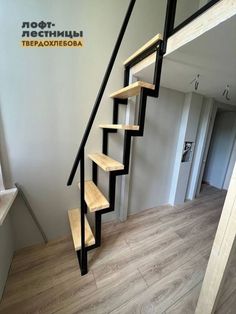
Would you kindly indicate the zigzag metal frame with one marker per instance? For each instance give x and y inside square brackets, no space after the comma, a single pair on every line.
[160,49]
[128,134]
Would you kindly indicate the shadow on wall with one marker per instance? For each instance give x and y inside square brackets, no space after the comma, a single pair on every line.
[7,175]
[27,234]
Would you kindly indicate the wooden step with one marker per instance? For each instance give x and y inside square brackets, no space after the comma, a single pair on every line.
[74,218]
[105,162]
[132,90]
[143,48]
[94,198]
[120,127]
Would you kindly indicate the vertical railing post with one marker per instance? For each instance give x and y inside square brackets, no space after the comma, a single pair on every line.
[169,21]
[83,252]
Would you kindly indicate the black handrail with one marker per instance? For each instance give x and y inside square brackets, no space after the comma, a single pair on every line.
[101,92]
[174,3]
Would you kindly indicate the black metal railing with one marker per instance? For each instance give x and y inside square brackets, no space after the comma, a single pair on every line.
[82,253]
[101,92]
[169,30]
[192,13]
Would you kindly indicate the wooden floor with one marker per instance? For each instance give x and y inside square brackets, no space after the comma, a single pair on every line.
[152,263]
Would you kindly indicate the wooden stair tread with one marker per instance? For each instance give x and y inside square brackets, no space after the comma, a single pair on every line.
[131,90]
[120,127]
[143,48]
[74,218]
[94,198]
[105,162]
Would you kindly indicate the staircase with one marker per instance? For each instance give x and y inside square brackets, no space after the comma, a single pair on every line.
[92,199]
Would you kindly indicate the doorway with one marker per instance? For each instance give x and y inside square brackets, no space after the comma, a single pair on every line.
[221,154]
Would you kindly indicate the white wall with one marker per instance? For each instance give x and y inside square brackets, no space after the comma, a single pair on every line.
[220,149]
[203,2]
[46,96]
[153,154]
[207,113]
[6,251]
[188,133]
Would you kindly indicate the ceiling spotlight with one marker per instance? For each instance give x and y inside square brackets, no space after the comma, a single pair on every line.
[226,92]
[195,81]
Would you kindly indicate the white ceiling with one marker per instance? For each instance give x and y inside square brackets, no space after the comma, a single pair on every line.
[212,55]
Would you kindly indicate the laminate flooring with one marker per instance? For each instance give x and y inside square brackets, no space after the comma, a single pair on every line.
[152,263]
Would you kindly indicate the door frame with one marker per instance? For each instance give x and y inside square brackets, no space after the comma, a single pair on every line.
[201,151]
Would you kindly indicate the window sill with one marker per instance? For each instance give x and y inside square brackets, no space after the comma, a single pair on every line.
[7,197]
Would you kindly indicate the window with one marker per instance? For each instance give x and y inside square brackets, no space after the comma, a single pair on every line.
[1,179]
